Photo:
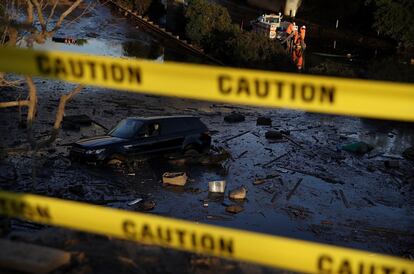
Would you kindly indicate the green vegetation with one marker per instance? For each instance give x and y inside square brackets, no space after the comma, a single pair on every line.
[209,26]
[204,18]
[141,6]
[395,19]
[390,69]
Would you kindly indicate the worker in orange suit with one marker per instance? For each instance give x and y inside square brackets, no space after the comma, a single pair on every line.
[297,36]
[297,55]
[289,29]
[302,33]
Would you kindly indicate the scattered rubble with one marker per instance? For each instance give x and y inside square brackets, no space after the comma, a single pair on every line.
[75,122]
[234,118]
[294,189]
[234,209]
[241,154]
[392,164]
[297,212]
[259,181]
[238,193]
[210,159]
[174,178]
[409,154]
[263,121]
[236,136]
[344,200]
[136,201]
[274,135]
[274,160]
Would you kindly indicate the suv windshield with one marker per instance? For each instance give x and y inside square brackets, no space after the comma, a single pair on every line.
[126,129]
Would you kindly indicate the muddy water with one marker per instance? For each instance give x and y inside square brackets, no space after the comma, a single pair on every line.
[108,33]
[343,199]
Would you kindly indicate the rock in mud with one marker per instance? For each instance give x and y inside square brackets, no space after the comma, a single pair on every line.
[259,181]
[148,205]
[263,121]
[77,190]
[358,148]
[234,209]
[234,118]
[82,119]
[409,154]
[70,126]
[174,178]
[392,164]
[75,122]
[274,135]
[238,193]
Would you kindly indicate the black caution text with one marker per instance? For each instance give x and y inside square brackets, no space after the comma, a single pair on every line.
[23,209]
[274,89]
[82,68]
[178,237]
[327,264]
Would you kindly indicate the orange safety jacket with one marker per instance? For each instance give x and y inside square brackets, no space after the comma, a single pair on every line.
[289,30]
[302,34]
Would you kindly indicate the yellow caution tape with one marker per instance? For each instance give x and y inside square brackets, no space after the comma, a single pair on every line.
[294,255]
[237,86]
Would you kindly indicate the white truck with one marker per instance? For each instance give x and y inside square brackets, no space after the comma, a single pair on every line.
[267,24]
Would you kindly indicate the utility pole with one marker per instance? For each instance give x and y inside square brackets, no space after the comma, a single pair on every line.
[336,27]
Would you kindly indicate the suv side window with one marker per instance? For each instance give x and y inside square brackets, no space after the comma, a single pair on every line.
[153,129]
[171,126]
[149,130]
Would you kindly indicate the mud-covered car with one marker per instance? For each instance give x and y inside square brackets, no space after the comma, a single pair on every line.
[139,137]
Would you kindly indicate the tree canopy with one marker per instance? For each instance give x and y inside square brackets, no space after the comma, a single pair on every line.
[395,19]
[209,25]
[203,18]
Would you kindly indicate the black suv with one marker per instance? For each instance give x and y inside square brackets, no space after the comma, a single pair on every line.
[138,137]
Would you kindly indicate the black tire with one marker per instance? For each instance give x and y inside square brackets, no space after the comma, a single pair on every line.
[114,157]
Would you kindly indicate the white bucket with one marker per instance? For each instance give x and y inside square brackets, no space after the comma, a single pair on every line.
[217,186]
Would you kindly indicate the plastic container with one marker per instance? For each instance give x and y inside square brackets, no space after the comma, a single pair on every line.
[217,186]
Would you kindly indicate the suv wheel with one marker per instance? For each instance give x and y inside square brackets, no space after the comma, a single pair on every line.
[191,151]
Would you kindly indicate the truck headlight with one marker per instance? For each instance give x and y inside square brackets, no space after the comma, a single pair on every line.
[95,151]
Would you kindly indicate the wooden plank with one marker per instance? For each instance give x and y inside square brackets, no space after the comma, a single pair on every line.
[31,258]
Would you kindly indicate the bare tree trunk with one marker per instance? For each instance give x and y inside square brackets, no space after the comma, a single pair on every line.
[52,12]
[29,10]
[39,14]
[59,115]
[32,110]
[66,13]
[19,103]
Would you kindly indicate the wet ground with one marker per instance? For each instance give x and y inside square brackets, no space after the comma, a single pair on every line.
[342,198]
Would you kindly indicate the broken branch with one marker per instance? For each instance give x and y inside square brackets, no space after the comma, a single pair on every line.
[66,13]
[14,104]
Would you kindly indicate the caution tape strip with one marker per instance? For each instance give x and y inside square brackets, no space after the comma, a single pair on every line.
[363,98]
[294,255]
